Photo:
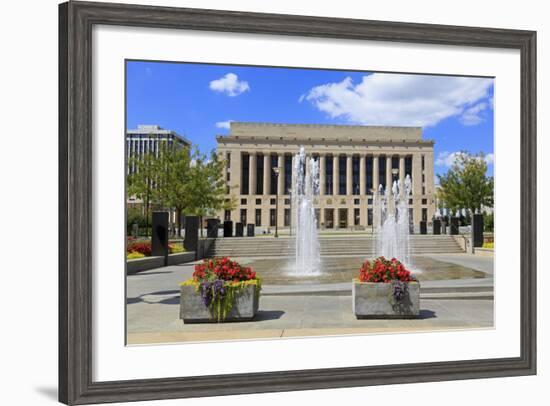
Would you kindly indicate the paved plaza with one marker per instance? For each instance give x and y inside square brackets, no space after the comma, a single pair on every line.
[464,301]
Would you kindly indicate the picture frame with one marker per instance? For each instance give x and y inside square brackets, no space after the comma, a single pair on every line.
[76,20]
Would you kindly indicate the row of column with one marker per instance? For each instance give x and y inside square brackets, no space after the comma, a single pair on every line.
[335,173]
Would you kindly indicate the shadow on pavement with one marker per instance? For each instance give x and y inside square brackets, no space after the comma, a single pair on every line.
[268,315]
[427,314]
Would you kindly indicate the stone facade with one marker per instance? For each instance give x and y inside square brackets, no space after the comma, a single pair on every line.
[352,160]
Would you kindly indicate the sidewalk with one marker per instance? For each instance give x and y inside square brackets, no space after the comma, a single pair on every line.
[304,310]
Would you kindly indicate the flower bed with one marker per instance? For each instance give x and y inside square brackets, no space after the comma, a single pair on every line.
[142,248]
[220,290]
[385,289]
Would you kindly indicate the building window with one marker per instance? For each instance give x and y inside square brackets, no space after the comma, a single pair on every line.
[369,217]
[382,171]
[288,173]
[328,174]
[274,161]
[258,201]
[356,201]
[369,202]
[368,177]
[287,201]
[259,175]
[395,168]
[272,217]
[424,201]
[228,177]
[423,162]
[355,175]
[424,214]
[258,217]
[410,201]
[408,166]
[272,202]
[287,218]
[329,218]
[342,159]
[423,190]
[243,201]
[228,159]
[423,178]
[227,189]
[356,217]
[227,215]
[243,216]
[244,174]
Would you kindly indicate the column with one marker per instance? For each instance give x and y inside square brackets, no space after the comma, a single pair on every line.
[362,182]
[429,172]
[375,180]
[349,175]
[252,174]
[335,175]
[267,174]
[401,170]
[417,187]
[336,217]
[322,180]
[388,172]
[281,179]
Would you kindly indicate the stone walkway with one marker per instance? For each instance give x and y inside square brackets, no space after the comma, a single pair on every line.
[153,309]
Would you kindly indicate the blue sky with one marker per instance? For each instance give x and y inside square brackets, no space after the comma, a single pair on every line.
[198,101]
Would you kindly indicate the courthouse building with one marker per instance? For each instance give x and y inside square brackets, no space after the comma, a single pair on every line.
[353,160]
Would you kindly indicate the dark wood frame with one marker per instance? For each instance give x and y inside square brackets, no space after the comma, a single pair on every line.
[76,20]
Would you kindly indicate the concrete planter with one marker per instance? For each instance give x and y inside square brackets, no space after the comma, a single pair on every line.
[193,310]
[375,300]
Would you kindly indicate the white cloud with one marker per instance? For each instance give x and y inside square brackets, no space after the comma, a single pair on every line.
[473,115]
[224,124]
[390,99]
[447,159]
[230,85]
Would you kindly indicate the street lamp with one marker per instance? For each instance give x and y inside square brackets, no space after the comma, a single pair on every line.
[276,171]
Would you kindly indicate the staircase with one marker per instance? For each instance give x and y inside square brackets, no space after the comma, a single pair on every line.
[330,246]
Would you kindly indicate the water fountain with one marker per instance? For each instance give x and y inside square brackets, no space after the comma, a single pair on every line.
[392,233]
[305,185]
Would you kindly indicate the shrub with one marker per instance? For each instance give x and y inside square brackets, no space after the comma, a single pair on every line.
[143,247]
[488,245]
[175,248]
[134,255]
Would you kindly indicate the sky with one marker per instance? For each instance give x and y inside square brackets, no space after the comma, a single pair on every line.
[199,100]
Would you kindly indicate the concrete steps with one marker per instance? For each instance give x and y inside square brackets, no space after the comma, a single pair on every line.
[330,246]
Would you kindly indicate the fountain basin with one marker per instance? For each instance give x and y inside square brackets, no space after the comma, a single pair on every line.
[373,300]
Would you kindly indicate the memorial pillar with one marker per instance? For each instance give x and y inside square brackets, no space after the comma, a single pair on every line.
[389,179]
[375,173]
[322,179]
[281,179]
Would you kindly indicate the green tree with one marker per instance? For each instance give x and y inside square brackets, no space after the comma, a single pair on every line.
[466,184]
[173,184]
[206,188]
[142,179]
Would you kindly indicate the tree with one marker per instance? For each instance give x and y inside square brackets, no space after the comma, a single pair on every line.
[206,187]
[466,184]
[173,181]
[141,181]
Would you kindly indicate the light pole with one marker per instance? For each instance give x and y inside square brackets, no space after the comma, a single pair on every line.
[276,171]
